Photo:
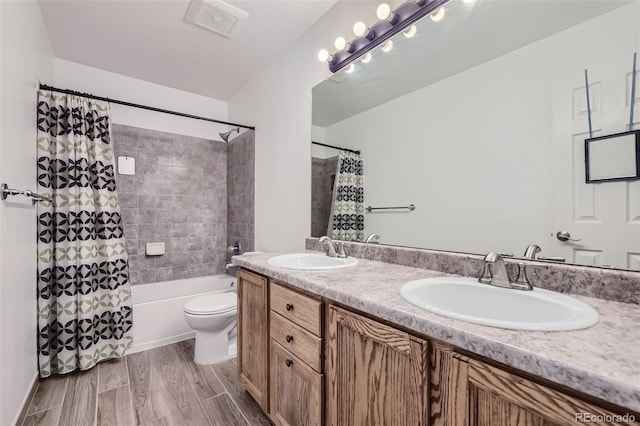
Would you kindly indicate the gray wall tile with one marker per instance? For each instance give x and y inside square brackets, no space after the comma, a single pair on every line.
[163,216]
[177,196]
[164,274]
[240,178]
[322,172]
[128,201]
[146,201]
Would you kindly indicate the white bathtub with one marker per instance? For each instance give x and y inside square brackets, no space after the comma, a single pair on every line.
[158,317]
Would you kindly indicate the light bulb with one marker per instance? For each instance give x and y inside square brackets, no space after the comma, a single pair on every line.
[350,68]
[387,46]
[366,58]
[360,29]
[438,15]
[383,11]
[323,55]
[411,31]
[340,43]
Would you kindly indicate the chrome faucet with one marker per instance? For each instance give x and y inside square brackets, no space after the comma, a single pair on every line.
[334,248]
[372,239]
[531,251]
[495,271]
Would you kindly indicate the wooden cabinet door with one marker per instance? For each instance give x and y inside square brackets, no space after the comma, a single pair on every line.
[448,384]
[376,374]
[253,336]
[496,397]
[296,390]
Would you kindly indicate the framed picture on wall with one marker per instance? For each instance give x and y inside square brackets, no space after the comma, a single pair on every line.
[613,157]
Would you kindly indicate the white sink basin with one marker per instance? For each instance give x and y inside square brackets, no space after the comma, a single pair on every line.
[315,261]
[468,300]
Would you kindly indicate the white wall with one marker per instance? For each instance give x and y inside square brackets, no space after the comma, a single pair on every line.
[318,134]
[26,56]
[278,102]
[474,152]
[71,75]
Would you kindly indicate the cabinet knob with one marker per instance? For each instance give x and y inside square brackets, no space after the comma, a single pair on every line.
[289,363]
[289,307]
[289,338]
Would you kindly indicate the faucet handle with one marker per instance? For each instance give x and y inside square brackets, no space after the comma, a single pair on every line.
[553,258]
[522,282]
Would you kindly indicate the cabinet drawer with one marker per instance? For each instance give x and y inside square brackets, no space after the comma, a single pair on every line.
[296,390]
[300,342]
[297,308]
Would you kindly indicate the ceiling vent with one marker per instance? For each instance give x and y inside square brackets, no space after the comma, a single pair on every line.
[216,16]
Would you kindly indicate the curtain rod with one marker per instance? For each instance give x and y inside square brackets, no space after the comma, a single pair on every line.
[336,147]
[130,104]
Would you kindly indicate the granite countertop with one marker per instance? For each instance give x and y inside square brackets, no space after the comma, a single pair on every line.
[603,361]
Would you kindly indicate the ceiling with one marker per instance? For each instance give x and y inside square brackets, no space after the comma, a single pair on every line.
[469,35]
[149,40]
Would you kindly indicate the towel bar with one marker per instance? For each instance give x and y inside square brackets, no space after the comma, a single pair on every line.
[6,191]
[410,207]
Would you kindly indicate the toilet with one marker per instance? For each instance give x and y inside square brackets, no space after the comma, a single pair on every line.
[213,317]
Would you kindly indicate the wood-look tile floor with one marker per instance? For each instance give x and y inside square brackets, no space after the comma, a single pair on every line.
[162,386]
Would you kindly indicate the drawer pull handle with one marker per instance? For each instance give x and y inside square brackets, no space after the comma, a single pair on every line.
[289,307]
[289,338]
[289,363]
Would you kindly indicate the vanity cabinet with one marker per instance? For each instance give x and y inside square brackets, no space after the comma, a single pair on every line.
[253,336]
[297,382]
[297,349]
[473,393]
[296,390]
[376,374]
[280,350]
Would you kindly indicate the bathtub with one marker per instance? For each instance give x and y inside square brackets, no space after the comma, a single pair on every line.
[158,318]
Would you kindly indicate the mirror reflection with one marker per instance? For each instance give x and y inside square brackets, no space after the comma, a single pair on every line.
[479,120]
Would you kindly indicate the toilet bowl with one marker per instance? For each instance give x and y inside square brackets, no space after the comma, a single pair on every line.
[212,316]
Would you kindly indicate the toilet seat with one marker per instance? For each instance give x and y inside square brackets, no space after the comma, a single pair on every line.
[216,303]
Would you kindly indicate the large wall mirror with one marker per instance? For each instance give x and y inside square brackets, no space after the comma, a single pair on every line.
[480,121]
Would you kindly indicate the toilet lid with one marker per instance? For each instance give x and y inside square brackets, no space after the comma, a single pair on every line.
[215,303]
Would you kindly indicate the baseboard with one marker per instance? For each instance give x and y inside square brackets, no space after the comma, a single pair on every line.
[161,342]
[27,400]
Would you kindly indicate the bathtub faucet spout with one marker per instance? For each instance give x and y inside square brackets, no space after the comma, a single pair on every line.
[230,265]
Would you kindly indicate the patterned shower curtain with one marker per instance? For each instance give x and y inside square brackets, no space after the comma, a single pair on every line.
[84,300]
[346,221]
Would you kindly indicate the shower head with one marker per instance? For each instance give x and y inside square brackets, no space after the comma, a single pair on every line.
[225,135]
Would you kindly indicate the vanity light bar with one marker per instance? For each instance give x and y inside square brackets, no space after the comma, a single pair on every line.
[404,16]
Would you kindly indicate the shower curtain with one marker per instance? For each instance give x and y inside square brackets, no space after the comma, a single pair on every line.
[84,300]
[346,221]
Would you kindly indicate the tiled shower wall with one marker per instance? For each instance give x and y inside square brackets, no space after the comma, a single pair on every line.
[177,196]
[322,172]
[240,190]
